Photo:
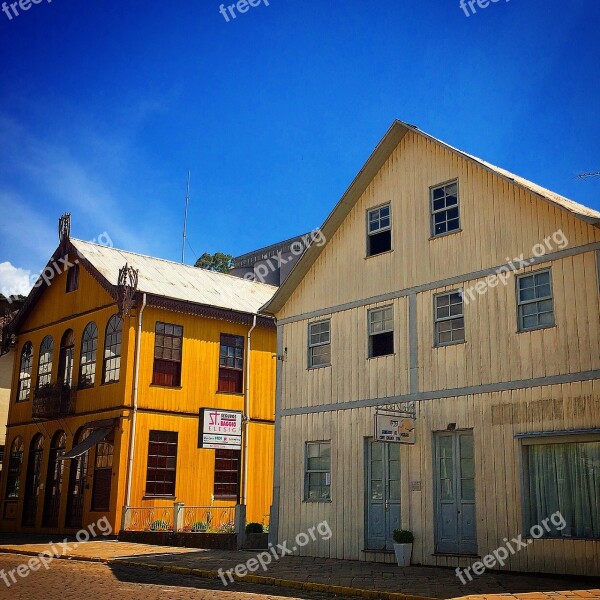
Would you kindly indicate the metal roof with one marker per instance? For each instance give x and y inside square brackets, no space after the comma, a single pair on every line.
[172,280]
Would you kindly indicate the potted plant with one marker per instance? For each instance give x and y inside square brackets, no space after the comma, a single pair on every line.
[403,543]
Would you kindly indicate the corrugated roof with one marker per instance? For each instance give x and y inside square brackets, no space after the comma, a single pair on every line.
[172,280]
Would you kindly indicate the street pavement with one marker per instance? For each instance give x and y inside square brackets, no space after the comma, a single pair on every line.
[431,582]
[74,580]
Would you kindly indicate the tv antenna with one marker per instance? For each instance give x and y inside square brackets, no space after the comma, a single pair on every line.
[187,203]
[588,175]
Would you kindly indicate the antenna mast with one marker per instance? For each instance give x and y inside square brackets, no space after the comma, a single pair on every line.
[586,175]
[187,202]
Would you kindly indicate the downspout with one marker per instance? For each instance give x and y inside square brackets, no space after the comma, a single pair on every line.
[247,412]
[136,372]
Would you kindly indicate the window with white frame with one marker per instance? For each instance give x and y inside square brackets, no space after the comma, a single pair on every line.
[562,477]
[381,331]
[444,209]
[379,230]
[317,481]
[534,300]
[319,344]
[449,319]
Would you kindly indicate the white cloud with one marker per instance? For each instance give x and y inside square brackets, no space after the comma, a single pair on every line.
[13,280]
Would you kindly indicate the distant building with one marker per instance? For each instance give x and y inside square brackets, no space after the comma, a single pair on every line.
[271,264]
[6,367]
[7,357]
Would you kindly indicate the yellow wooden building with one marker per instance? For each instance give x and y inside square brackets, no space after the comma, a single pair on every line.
[117,354]
[463,295]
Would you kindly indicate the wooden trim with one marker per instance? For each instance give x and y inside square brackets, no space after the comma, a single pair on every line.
[474,390]
[434,285]
[69,318]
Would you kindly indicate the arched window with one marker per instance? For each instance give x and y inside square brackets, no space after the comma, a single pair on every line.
[24,390]
[77,483]
[112,349]
[33,480]
[89,347]
[44,375]
[54,480]
[15,463]
[65,359]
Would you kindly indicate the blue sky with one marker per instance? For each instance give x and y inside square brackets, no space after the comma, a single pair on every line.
[104,106]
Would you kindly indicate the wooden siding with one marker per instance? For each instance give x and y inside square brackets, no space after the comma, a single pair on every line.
[495,419]
[195,467]
[161,408]
[200,367]
[498,220]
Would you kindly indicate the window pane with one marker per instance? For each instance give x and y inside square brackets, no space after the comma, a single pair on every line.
[564,478]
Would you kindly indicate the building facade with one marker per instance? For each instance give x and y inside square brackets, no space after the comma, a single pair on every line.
[271,264]
[465,296]
[116,357]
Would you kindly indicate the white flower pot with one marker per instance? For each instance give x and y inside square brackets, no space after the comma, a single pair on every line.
[403,554]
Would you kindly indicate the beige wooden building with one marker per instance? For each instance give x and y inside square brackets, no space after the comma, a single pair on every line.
[464,291]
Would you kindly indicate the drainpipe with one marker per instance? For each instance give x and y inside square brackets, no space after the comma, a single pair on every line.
[136,372]
[247,413]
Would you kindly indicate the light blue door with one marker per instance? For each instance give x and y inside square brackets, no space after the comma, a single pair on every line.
[383,494]
[455,493]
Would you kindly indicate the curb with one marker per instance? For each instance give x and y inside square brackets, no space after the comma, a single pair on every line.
[54,556]
[307,586]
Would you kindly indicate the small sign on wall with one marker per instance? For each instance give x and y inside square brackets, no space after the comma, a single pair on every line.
[220,429]
[397,429]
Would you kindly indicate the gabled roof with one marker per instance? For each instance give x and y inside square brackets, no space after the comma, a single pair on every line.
[368,172]
[166,279]
[168,285]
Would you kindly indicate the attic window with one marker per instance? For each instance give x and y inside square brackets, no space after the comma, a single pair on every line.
[444,209]
[72,278]
[379,230]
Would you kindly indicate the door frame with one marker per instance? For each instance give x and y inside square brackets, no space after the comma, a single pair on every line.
[435,480]
[367,443]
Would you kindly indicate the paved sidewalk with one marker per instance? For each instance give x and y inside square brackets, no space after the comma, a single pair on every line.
[346,577]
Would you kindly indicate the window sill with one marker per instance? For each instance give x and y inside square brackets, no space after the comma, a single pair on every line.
[109,382]
[553,326]
[382,356]
[319,367]
[146,497]
[166,387]
[229,393]
[456,554]
[226,498]
[379,254]
[449,344]
[305,501]
[441,235]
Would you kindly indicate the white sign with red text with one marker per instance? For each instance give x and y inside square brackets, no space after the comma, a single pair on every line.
[220,429]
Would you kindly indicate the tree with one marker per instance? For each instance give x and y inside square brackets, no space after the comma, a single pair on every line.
[218,262]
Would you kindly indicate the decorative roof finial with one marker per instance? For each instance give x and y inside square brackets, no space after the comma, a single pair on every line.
[64,228]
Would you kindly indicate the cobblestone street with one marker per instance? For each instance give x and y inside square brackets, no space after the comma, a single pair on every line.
[66,580]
